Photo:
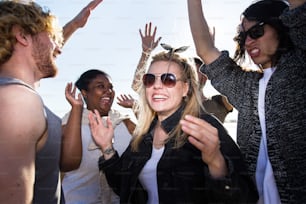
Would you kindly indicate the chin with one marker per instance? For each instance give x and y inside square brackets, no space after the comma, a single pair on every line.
[51,74]
[49,70]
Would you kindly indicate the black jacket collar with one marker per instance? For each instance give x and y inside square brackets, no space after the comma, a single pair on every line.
[169,123]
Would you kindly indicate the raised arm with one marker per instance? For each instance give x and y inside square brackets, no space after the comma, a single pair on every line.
[79,20]
[148,45]
[202,38]
[71,151]
[102,134]
[126,101]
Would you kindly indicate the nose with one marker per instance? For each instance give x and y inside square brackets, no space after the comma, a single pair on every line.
[57,51]
[158,82]
[248,40]
[110,90]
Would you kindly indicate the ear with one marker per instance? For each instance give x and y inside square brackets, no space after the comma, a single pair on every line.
[20,36]
[84,94]
[186,87]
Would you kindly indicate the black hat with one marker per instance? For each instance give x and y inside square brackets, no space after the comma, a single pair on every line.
[267,11]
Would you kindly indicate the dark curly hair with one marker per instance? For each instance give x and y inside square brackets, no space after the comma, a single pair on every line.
[267,11]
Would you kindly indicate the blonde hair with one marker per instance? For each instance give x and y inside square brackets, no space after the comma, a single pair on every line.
[30,17]
[192,102]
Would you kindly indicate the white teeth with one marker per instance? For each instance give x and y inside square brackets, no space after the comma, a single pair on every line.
[254,51]
[105,98]
[158,96]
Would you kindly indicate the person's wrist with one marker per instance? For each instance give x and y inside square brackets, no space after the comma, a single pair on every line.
[147,53]
[108,151]
[218,168]
[134,105]
[77,106]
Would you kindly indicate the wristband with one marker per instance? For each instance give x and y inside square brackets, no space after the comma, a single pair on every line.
[146,53]
[109,151]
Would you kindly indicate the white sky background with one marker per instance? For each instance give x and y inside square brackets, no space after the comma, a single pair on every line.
[110,40]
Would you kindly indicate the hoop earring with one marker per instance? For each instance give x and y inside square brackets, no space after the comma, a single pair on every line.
[185,99]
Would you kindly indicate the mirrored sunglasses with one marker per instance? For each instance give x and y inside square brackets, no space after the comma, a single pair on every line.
[169,80]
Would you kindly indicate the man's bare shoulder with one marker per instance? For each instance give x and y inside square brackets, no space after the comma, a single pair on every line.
[21,113]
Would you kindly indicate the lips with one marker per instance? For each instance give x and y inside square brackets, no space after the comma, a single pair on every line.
[254,52]
[159,97]
[106,99]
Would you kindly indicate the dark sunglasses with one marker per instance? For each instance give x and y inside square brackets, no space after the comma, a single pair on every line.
[254,32]
[169,80]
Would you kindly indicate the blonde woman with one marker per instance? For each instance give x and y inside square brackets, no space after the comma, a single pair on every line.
[179,153]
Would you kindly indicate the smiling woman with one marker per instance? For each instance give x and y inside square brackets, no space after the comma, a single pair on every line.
[179,153]
[85,183]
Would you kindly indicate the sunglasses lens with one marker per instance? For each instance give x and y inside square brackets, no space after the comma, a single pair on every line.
[148,80]
[256,32]
[168,79]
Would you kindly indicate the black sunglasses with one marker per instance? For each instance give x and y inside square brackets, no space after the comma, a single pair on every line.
[254,32]
[167,79]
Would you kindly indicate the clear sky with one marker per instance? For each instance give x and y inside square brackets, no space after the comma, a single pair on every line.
[111,42]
